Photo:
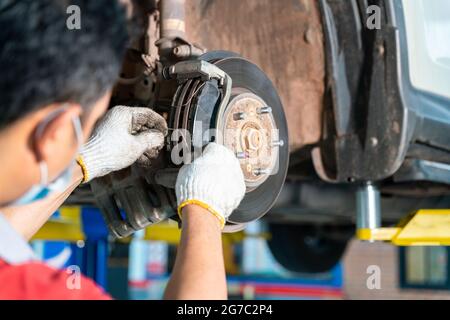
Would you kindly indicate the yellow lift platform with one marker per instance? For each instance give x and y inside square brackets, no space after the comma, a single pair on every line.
[421,228]
[426,227]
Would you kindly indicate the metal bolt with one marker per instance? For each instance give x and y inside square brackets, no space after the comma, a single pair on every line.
[265,110]
[309,36]
[279,143]
[260,172]
[239,116]
[381,50]
[241,155]
[182,51]
[374,142]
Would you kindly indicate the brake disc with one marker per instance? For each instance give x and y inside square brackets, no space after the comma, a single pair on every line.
[256,112]
[251,123]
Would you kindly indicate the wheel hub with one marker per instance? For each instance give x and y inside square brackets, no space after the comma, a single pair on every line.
[249,130]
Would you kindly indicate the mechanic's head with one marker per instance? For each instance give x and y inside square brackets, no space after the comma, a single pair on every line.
[52,76]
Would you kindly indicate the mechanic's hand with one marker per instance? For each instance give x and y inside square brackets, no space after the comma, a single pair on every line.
[124,136]
[214,181]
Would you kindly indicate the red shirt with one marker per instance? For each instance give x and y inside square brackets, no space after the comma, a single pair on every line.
[21,277]
[37,281]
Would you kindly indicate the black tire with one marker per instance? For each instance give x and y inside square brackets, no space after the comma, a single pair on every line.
[300,248]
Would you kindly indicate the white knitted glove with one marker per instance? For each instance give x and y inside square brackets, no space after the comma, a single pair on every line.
[124,136]
[214,181]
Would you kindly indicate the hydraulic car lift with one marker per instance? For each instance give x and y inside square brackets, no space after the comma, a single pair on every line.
[422,228]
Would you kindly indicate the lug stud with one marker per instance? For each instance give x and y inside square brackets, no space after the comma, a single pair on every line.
[239,116]
[241,155]
[264,110]
[279,143]
[260,172]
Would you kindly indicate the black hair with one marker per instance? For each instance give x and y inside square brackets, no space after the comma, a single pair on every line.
[44,61]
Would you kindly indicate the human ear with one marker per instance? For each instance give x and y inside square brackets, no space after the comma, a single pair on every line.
[55,138]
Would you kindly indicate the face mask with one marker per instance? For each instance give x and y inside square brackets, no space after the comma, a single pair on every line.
[61,183]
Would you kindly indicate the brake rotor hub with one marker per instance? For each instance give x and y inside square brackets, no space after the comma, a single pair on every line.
[249,130]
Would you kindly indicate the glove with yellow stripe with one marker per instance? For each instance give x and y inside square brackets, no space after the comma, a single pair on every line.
[124,136]
[214,181]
